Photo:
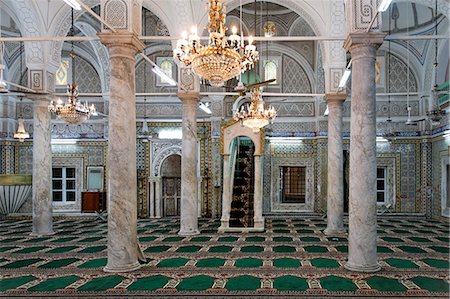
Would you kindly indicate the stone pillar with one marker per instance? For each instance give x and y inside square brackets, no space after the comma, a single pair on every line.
[362,238]
[199,196]
[257,195]
[226,193]
[189,205]
[42,169]
[158,197]
[123,248]
[335,167]
[151,182]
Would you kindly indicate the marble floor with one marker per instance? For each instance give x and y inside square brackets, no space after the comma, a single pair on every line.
[291,259]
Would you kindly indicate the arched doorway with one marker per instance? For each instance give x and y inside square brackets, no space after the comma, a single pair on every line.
[171,185]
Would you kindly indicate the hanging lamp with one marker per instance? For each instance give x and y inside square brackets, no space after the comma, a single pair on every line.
[72,111]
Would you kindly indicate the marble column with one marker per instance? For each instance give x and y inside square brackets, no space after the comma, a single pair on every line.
[257,195]
[226,193]
[123,248]
[335,166]
[42,169]
[158,197]
[151,182]
[362,237]
[189,205]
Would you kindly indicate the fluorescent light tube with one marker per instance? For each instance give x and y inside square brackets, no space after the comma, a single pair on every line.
[384,5]
[163,75]
[74,4]
[204,107]
[344,78]
[326,112]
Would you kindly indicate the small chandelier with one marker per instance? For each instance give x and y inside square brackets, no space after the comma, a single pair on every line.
[72,111]
[21,134]
[223,58]
[255,116]
[436,114]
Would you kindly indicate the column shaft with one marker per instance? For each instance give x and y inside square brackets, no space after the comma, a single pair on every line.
[226,196]
[335,168]
[123,248]
[158,198]
[362,251]
[189,205]
[152,198]
[257,195]
[42,170]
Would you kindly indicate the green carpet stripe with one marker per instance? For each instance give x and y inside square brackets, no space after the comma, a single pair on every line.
[101,283]
[148,239]
[7,248]
[400,263]
[283,249]
[431,284]
[61,240]
[384,249]
[30,249]
[228,239]
[418,239]
[286,263]
[441,264]
[200,239]
[62,249]
[21,263]
[324,263]
[12,283]
[282,239]
[173,239]
[59,263]
[309,239]
[196,283]
[173,263]
[384,284]
[93,249]
[411,249]
[189,249]
[149,283]
[210,263]
[248,263]
[37,240]
[290,283]
[54,284]
[440,249]
[91,239]
[97,263]
[220,249]
[157,249]
[252,249]
[337,284]
[241,283]
[316,249]
[391,239]
[255,239]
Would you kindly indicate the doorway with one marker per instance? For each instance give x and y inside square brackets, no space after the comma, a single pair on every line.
[171,185]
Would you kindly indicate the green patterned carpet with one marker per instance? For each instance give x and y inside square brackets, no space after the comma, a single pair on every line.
[293,258]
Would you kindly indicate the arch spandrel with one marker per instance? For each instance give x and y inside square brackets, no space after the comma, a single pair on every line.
[233,129]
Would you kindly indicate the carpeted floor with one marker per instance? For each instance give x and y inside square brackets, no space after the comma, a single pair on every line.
[293,258]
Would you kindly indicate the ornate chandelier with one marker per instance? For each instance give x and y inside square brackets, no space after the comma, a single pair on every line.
[436,114]
[255,116]
[72,111]
[21,134]
[223,58]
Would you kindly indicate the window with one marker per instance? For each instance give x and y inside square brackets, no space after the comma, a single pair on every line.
[381,185]
[293,184]
[166,64]
[63,184]
[270,70]
[61,75]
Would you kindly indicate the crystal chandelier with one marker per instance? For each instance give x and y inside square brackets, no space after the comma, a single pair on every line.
[436,114]
[72,111]
[223,58]
[255,116]
[21,134]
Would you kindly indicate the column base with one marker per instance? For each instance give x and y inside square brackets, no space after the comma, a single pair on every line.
[367,269]
[41,234]
[188,232]
[334,231]
[258,223]
[125,268]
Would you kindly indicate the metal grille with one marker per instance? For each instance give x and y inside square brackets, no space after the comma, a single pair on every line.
[293,184]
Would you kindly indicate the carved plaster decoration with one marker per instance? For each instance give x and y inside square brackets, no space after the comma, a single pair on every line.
[360,14]
[159,151]
[188,81]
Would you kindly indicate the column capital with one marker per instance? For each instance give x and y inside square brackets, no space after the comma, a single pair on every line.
[188,96]
[358,39]
[121,43]
[337,98]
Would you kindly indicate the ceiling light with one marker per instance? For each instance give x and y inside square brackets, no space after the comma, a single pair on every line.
[344,78]
[384,5]
[223,58]
[327,111]
[205,107]
[3,87]
[74,4]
